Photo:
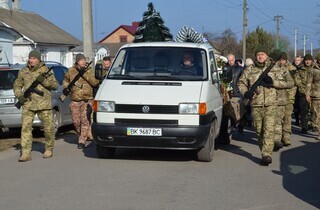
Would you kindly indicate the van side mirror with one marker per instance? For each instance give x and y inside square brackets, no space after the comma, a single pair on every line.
[98,71]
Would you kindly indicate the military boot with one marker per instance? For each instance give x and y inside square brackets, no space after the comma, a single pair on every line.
[286,142]
[277,146]
[266,160]
[25,157]
[48,154]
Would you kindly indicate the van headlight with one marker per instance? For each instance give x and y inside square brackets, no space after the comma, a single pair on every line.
[104,106]
[193,108]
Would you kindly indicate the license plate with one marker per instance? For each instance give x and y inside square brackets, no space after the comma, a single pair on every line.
[144,132]
[6,100]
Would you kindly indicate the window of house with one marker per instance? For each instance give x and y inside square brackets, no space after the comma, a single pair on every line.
[123,38]
[44,54]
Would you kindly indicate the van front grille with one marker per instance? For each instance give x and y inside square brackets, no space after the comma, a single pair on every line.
[147,109]
[145,122]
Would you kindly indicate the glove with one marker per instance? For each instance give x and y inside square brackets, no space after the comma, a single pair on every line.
[65,91]
[40,78]
[249,94]
[267,79]
[22,99]
[265,84]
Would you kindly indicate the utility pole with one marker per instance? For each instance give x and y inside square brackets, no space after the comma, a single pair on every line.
[311,48]
[244,33]
[295,41]
[278,18]
[87,29]
[304,44]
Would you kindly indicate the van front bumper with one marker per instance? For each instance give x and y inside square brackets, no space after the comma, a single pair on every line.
[173,137]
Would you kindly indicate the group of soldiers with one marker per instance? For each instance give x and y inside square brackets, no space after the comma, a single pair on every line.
[272,85]
[33,90]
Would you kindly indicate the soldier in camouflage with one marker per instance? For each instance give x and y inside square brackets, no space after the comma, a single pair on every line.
[291,95]
[283,75]
[35,104]
[313,92]
[81,94]
[264,101]
[300,80]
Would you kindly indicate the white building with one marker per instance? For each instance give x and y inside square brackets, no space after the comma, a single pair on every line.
[30,31]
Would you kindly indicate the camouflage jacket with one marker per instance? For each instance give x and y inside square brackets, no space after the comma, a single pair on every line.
[300,79]
[104,69]
[83,88]
[26,77]
[291,92]
[266,96]
[313,82]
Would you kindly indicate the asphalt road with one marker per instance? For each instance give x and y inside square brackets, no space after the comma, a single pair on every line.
[159,179]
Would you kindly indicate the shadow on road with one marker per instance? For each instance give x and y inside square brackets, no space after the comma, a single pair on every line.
[300,169]
[248,136]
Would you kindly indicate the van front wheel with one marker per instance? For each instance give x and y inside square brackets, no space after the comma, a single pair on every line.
[205,154]
[105,152]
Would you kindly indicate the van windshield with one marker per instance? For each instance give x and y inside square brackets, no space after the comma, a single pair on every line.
[160,63]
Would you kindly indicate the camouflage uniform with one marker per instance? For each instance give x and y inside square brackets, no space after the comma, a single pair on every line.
[313,90]
[282,74]
[81,100]
[36,104]
[291,93]
[300,80]
[264,105]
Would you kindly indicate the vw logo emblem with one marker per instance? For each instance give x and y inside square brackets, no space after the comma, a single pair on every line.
[145,109]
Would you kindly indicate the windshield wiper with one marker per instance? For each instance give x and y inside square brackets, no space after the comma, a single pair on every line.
[123,76]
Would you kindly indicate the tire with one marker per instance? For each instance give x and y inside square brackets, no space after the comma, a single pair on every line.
[205,154]
[56,121]
[105,152]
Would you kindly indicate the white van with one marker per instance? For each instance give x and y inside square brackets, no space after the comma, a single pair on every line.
[148,100]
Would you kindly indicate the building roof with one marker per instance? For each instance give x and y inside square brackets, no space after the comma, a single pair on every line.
[130,29]
[36,28]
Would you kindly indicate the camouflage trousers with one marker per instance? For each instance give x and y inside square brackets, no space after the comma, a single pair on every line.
[264,119]
[315,103]
[81,116]
[46,116]
[313,114]
[279,123]
[287,122]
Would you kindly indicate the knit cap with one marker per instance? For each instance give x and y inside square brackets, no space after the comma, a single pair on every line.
[35,54]
[79,57]
[261,48]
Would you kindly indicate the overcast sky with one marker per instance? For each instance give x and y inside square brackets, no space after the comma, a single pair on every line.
[213,16]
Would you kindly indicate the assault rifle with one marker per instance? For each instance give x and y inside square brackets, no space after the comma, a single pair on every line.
[32,88]
[67,90]
[253,88]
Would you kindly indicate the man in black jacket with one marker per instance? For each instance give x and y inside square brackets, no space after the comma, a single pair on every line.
[234,108]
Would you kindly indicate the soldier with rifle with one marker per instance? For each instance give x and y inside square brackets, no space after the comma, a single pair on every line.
[79,82]
[33,89]
[259,84]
